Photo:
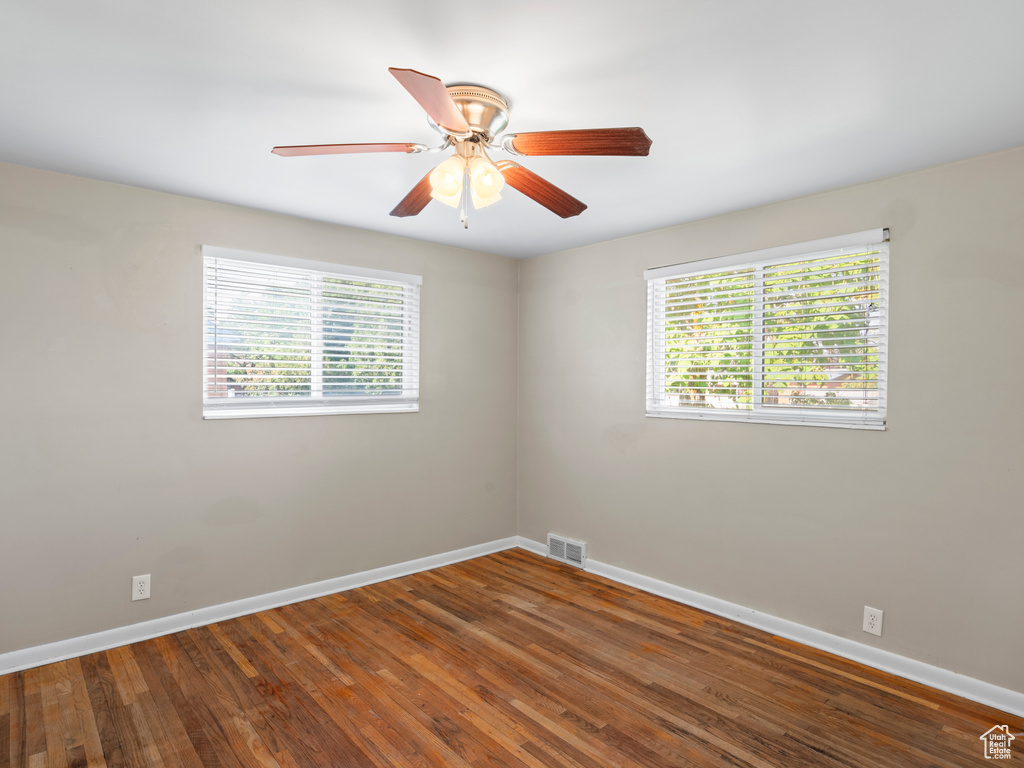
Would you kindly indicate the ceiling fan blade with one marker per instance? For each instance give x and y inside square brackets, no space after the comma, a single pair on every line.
[416,200]
[431,94]
[343,149]
[544,192]
[592,141]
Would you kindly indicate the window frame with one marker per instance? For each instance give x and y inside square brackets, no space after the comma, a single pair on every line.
[757,261]
[316,403]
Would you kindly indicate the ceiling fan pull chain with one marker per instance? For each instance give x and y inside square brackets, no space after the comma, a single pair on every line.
[464,205]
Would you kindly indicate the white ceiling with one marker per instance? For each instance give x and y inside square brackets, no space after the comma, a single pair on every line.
[747,101]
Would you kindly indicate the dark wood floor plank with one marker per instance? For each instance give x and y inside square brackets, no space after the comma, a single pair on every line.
[174,744]
[5,740]
[250,693]
[84,716]
[182,717]
[341,697]
[700,743]
[211,718]
[17,713]
[424,643]
[404,641]
[35,729]
[58,729]
[505,661]
[220,697]
[117,736]
[437,742]
[586,660]
[294,713]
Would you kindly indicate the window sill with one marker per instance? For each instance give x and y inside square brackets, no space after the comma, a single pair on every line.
[876,424]
[265,412]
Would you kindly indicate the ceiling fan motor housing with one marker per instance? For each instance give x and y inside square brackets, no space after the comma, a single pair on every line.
[485,110]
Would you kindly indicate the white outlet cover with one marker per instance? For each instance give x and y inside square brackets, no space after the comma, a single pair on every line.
[872,620]
[140,587]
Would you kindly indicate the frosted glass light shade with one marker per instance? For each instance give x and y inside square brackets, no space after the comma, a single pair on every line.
[485,182]
[446,181]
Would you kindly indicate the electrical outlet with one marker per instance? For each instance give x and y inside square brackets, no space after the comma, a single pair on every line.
[873,621]
[140,587]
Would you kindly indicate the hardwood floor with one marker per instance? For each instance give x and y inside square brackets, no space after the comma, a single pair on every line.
[506,660]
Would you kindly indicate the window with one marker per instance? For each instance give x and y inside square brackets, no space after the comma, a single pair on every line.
[789,335]
[287,337]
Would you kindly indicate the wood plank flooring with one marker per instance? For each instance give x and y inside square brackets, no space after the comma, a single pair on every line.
[506,660]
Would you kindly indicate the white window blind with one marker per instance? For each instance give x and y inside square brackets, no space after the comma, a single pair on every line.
[288,337]
[789,335]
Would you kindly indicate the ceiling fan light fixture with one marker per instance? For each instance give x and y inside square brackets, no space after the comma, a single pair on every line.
[446,181]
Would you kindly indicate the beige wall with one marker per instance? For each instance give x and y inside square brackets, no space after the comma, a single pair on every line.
[924,520]
[107,469]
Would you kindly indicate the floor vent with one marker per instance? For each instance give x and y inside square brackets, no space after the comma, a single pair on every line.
[567,550]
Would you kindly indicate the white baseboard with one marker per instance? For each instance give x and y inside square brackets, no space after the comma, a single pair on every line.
[936,677]
[533,546]
[15,661]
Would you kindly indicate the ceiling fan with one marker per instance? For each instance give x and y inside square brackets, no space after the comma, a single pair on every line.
[470,118]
